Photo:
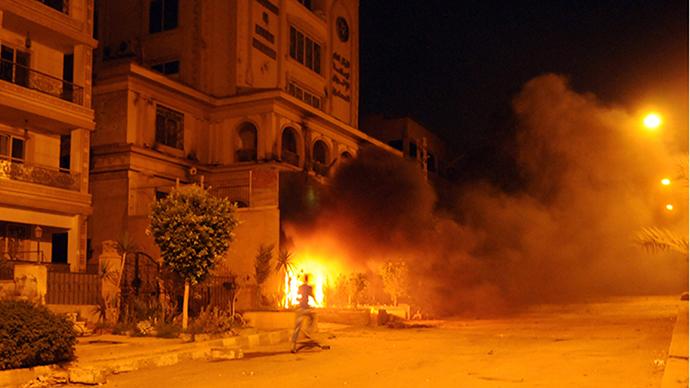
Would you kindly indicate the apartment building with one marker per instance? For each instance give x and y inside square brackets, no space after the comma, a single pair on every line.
[46,123]
[241,96]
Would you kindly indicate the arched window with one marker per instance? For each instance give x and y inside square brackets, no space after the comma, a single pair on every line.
[288,150]
[246,151]
[321,157]
[345,156]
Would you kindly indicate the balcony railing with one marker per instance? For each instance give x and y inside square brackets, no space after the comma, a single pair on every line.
[46,176]
[320,169]
[32,79]
[60,5]
[290,157]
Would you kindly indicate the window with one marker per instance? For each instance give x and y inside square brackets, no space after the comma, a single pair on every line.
[65,147]
[167,68]
[169,127]
[15,66]
[11,148]
[320,154]
[247,146]
[162,15]
[431,163]
[304,50]
[59,5]
[161,195]
[68,77]
[413,150]
[307,97]
[397,144]
[289,147]
[306,3]
[240,204]
[13,240]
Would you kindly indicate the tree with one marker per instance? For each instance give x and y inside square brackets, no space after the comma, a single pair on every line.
[193,230]
[284,264]
[262,267]
[358,284]
[395,280]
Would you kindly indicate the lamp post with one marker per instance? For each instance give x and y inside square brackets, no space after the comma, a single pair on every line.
[38,233]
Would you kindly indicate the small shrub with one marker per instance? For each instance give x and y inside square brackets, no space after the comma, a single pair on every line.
[32,335]
[167,330]
[214,321]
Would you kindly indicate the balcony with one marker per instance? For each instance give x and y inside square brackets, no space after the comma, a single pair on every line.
[290,157]
[44,83]
[246,155]
[321,169]
[46,176]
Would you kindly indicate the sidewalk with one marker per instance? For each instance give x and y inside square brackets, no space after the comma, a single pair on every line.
[101,355]
[676,371]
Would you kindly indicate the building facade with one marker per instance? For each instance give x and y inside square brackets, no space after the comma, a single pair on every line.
[235,95]
[46,123]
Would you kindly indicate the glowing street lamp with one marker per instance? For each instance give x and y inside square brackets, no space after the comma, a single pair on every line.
[652,121]
[669,207]
[666,181]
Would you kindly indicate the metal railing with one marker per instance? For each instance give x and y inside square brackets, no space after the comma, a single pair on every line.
[32,79]
[290,157]
[45,176]
[73,288]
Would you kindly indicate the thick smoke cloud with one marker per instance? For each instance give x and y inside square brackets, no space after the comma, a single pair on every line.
[591,177]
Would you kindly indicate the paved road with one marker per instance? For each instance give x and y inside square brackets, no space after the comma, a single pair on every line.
[619,343]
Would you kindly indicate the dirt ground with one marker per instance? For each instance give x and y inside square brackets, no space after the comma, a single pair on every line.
[621,342]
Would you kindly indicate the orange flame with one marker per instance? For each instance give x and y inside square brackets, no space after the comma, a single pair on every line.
[320,272]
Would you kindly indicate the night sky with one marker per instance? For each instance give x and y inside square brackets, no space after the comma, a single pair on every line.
[454,66]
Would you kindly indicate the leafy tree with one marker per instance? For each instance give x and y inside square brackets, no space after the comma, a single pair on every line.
[262,267]
[395,279]
[358,284]
[193,230]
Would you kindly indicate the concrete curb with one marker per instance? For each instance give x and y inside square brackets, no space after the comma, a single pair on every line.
[94,370]
[676,370]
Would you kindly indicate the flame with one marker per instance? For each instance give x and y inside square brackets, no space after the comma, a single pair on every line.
[320,271]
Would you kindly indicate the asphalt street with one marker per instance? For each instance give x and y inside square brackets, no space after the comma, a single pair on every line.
[620,342]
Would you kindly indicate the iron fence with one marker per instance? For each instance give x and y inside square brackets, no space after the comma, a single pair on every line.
[73,288]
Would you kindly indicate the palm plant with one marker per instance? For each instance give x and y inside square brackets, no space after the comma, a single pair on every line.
[284,263]
[262,267]
[659,239]
[126,246]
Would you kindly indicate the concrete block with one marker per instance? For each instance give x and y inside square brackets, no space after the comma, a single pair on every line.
[254,340]
[232,341]
[88,376]
[226,353]
[166,359]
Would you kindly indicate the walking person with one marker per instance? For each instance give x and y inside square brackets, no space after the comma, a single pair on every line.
[304,311]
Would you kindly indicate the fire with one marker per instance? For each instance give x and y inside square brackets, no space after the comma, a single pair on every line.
[320,271]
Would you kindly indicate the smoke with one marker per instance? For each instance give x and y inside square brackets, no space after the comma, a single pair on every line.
[591,179]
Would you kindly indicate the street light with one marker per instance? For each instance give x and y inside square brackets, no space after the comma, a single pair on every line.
[38,232]
[666,181]
[652,121]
